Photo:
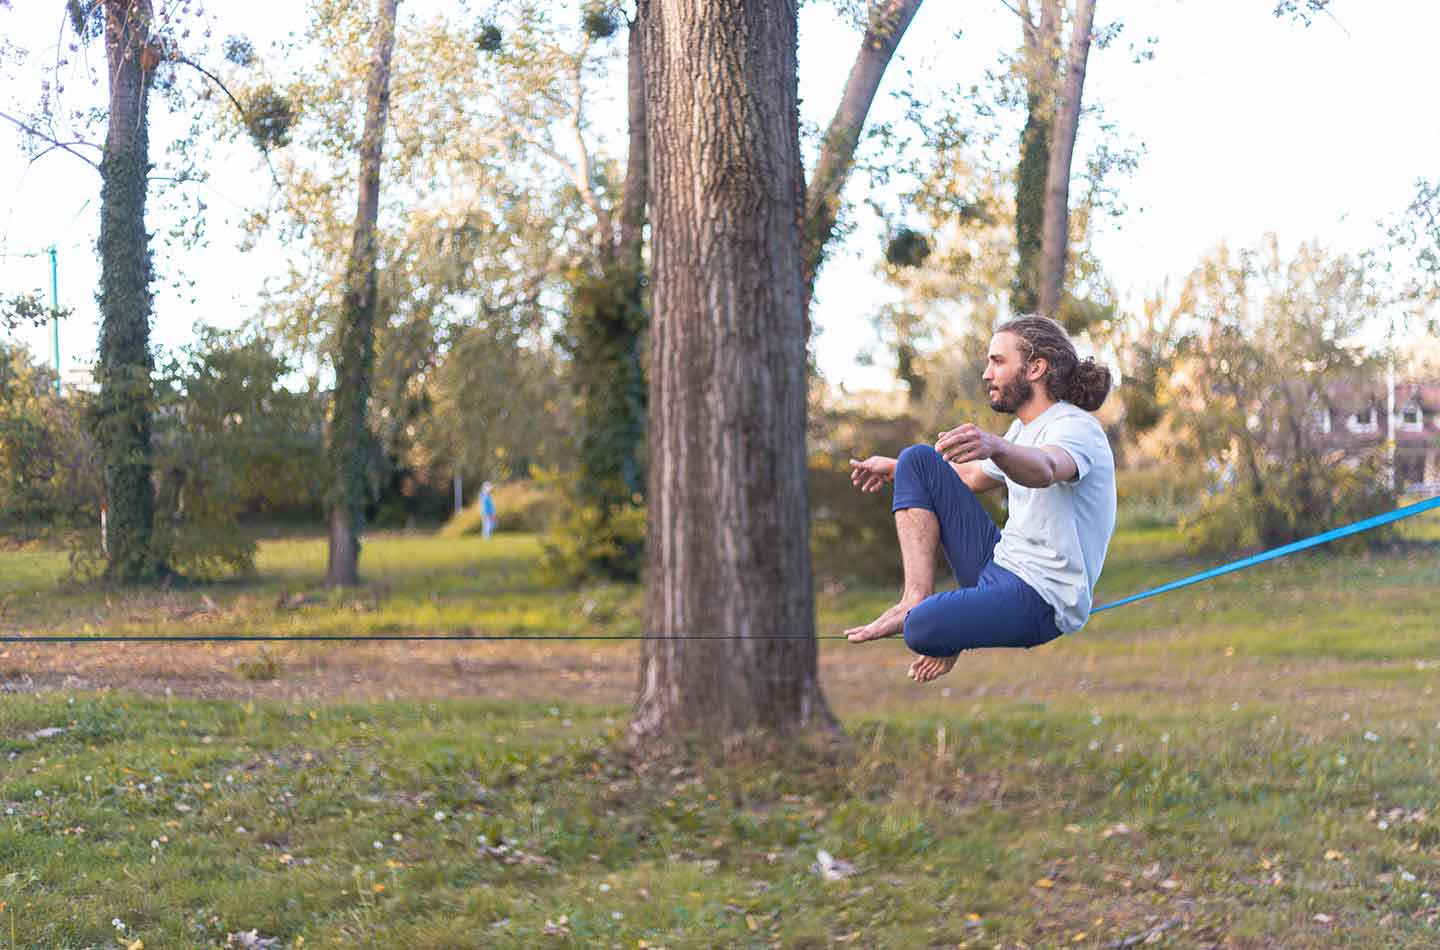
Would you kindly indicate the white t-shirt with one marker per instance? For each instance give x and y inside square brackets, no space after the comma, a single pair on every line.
[1056,538]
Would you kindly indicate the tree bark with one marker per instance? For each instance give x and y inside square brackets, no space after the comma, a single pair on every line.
[1062,150]
[632,201]
[1039,60]
[123,417]
[728,553]
[889,19]
[355,353]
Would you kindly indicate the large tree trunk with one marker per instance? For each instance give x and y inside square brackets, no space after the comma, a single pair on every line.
[1062,150]
[728,554]
[355,352]
[1039,61]
[125,365]
[889,19]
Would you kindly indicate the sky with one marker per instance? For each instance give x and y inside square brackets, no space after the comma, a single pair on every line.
[1249,124]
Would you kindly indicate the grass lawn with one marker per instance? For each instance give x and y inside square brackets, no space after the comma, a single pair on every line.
[1246,763]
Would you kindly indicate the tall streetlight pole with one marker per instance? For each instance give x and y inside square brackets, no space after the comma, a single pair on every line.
[55,312]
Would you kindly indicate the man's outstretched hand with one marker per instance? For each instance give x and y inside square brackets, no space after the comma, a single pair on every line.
[873,473]
[969,443]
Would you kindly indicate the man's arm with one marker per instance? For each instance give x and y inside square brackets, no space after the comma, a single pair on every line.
[974,477]
[1037,466]
[1032,466]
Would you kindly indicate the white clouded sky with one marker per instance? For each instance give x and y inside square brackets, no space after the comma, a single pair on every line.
[1249,123]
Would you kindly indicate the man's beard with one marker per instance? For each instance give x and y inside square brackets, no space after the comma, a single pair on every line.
[1012,395]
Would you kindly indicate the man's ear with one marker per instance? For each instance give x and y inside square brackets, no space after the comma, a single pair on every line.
[1037,369]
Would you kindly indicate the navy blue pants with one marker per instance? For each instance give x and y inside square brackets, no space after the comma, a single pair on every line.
[992,607]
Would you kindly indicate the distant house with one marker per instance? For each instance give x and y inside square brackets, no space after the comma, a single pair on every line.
[1359,416]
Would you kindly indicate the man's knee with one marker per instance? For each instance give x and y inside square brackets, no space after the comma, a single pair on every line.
[923,632]
[917,458]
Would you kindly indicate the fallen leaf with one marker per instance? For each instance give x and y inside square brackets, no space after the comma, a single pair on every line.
[1045,882]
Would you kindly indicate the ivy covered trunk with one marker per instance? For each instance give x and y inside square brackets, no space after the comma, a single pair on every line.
[349,448]
[607,336]
[1039,62]
[727,552]
[123,409]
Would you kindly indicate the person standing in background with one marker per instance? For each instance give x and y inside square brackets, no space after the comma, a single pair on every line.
[487,510]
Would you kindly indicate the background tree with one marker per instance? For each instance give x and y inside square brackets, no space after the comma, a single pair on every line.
[1273,345]
[885,25]
[144,48]
[1037,63]
[230,438]
[355,353]
[727,546]
[1056,229]
[50,474]
[125,367]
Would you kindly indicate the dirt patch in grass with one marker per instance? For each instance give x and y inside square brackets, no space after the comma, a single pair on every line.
[861,680]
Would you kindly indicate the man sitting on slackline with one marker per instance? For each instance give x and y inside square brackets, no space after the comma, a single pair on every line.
[1032,582]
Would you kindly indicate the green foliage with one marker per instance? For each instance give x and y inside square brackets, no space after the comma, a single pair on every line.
[229,438]
[1161,494]
[29,309]
[239,51]
[600,529]
[907,249]
[1030,176]
[122,414]
[269,117]
[50,480]
[87,18]
[488,38]
[496,405]
[600,21]
[1294,501]
[590,540]
[1272,352]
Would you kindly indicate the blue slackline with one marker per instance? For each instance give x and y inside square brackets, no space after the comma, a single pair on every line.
[1408,511]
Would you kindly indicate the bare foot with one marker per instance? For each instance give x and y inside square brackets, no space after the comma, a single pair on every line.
[927,668]
[887,624]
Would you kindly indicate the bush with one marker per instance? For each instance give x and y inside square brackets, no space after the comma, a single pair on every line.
[1296,502]
[524,505]
[1160,494]
[227,437]
[50,480]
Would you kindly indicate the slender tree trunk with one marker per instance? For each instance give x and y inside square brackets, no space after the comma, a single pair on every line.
[1040,63]
[630,250]
[1062,151]
[125,366]
[728,551]
[355,356]
[889,19]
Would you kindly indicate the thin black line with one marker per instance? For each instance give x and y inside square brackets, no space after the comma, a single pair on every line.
[405,637]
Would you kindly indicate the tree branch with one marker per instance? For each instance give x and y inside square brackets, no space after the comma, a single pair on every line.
[244,116]
[585,170]
[888,21]
[54,143]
